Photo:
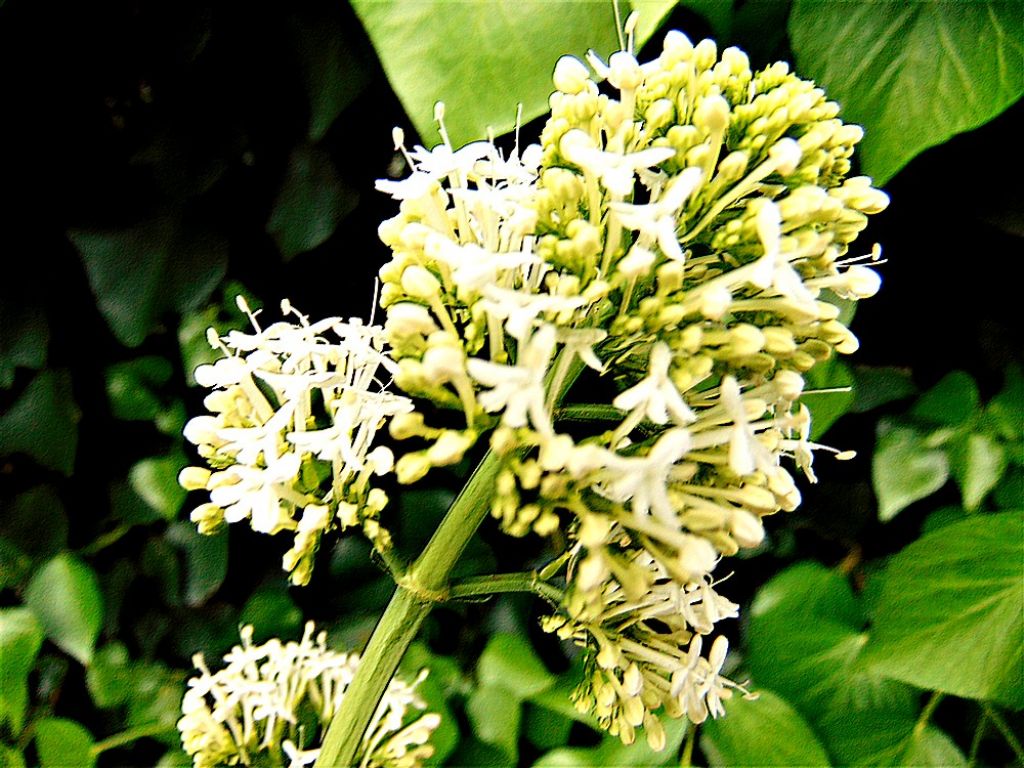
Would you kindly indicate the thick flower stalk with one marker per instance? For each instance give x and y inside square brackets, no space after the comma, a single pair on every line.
[269,704]
[295,411]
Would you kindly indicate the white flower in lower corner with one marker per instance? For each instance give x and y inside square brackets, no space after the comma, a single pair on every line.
[259,706]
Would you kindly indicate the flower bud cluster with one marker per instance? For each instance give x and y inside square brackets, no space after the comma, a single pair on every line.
[684,233]
[270,702]
[294,413]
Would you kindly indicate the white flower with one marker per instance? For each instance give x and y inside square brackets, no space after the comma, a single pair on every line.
[746,452]
[255,493]
[519,309]
[616,170]
[656,396]
[644,480]
[774,270]
[518,390]
[658,221]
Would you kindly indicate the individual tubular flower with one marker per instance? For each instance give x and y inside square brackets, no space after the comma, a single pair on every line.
[295,411]
[269,703]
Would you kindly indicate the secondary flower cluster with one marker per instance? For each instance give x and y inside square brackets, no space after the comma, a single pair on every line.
[625,311]
[295,410]
[271,701]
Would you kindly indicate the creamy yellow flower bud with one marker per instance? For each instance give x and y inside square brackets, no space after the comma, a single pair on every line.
[193,478]
[712,114]
[623,71]
[571,75]
[412,467]
[449,448]
[419,283]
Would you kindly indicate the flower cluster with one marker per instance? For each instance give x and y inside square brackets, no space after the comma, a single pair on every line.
[683,232]
[268,705]
[295,409]
[625,312]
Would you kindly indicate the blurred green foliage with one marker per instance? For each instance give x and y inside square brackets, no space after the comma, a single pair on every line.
[163,158]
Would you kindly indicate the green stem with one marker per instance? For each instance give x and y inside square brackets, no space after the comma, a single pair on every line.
[505,582]
[1004,729]
[127,737]
[425,582]
[686,760]
[588,412]
[926,713]
[979,734]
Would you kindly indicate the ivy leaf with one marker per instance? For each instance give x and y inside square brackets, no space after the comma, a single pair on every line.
[876,386]
[35,523]
[271,612]
[510,661]
[430,56]
[24,336]
[913,74]
[155,480]
[878,738]
[905,468]
[109,676]
[332,74]
[311,202]
[611,751]
[61,742]
[206,561]
[951,402]
[979,462]
[827,407]
[131,385]
[20,638]
[43,422]
[65,597]
[139,273]
[495,715]
[806,643]
[950,613]
[763,732]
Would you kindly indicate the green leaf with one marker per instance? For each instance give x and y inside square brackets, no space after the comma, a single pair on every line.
[876,386]
[24,336]
[905,468]
[950,614]
[271,612]
[311,202]
[806,643]
[43,422]
[913,74]
[65,597]
[546,729]
[62,743]
[979,462]
[20,638]
[763,732]
[932,747]
[495,714]
[156,700]
[10,757]
[139,273]
[332,74]
[109,676]
[1006,410]
[951,402]
[512,48]
[879,738]
[509,661]
[611,751]
[131,385]
[156,481]
[206,560]
[826,407]
[35,522]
